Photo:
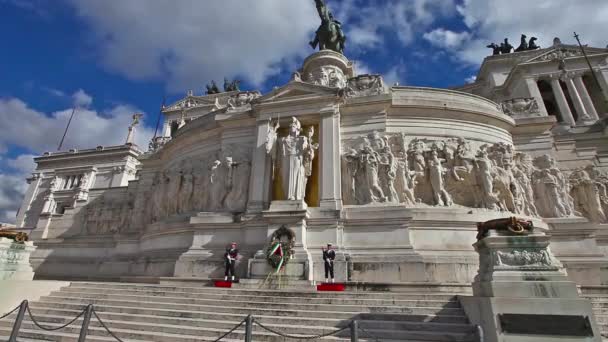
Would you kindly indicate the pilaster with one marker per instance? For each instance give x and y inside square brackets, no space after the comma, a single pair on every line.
[331,191]
[259,184]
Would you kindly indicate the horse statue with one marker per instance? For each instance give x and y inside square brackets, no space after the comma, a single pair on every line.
[495,49]
[523,45]
[212,89]
[532,45]
[329,35]
[506,47]
[231,86]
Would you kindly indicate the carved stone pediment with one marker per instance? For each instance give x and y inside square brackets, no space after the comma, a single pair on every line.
[364,85]
[190,102]
[564,51]
[297,89]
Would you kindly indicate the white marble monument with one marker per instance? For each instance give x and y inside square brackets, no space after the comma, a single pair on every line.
[394,177]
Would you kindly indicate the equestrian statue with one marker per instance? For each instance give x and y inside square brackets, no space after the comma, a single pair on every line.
[329,36]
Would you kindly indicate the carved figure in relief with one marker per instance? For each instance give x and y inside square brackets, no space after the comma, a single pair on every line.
[201,186]
[405,182]
[186,190]
[350,167]
[551,182]
[436,172]
[173,186]
[600,178]
[236,200]
[389,172]
[522,172]
[484,169]
[547,192]
[369,162]
[586,195]
[292,156]
[218,180]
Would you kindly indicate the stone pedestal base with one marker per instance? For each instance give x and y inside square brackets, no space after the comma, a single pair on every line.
[520,284]
[295,269]
[486,311]
[15,260]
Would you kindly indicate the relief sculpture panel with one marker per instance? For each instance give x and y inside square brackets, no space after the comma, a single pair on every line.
[395,168]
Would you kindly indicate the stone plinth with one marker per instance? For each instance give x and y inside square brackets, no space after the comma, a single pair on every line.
[519,278]
[15,260]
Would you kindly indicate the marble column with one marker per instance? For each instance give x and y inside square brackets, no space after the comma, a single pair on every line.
[535,93]
[331,185]
[562,103]
[602,77]
[584,93]
[583,117]
[167,129]
[261,176]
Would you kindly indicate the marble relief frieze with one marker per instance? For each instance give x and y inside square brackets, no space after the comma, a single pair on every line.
[455,172]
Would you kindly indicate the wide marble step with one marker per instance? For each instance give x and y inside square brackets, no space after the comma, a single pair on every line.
[178,333]
[161,314]
[260,292]
[256,302]
[404,300]
[248,308]
[315,327]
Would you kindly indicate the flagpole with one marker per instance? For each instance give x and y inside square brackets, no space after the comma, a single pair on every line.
[159,115]
[66,129]
[589,64]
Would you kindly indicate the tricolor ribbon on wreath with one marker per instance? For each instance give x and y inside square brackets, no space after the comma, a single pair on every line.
[277,249]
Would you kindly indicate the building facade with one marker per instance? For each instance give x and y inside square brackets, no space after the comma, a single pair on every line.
[395,177]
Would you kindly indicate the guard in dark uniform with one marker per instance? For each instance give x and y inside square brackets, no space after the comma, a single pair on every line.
[230,257]
[329,255]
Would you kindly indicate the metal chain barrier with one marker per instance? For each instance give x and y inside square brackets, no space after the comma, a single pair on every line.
[36,323]
[231,330]
[106,327]
[8,314]
[370,335]
[298,336]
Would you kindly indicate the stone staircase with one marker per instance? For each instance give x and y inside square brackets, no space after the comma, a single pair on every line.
[142,312]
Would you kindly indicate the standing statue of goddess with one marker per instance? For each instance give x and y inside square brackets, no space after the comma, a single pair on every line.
[292,156]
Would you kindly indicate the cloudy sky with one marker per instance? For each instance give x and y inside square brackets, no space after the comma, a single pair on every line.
[111,58]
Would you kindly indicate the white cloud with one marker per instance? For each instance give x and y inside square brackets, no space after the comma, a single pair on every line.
[395,76]
[82,99]
[38,132]
[12,189]
[361,68]
[493,20]
[446,39]
[190,42]
[23,163]
[369,24]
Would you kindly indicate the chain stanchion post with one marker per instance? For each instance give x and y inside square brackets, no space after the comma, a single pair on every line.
[248,328]
[354,331]
[479,333]
[85,323]
[18,321]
